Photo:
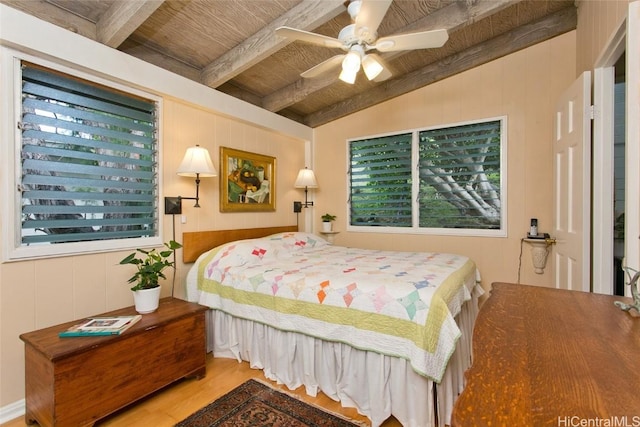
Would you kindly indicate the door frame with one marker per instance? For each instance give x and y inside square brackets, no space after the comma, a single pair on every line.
[626,37]
[602,170]
[632,154]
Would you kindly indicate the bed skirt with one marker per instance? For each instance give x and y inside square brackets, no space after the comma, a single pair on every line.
[376,385]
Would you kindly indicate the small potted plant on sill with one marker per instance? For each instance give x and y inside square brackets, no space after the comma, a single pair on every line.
[146,289]
[327,220]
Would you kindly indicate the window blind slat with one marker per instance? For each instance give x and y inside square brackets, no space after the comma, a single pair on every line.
[108,133]
[87,155]
[63,223]
[145,125]
[70,195]
[80,169]
[80,237]
[93,209]
[33,137]
[31,180]
[470,128]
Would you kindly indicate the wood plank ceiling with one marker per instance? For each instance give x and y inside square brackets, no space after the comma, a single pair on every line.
[230,45]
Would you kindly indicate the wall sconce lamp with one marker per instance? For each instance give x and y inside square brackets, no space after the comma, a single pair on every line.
[306,179]
[196,163]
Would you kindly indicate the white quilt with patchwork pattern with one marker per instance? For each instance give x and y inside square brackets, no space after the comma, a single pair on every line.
[399,304]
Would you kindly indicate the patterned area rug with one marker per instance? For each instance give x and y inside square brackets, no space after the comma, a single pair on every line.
[256,404]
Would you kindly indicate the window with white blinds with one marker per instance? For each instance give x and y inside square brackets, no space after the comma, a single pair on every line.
[88,167]
[448,179]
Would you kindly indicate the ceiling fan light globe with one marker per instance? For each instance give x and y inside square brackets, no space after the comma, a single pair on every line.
[351,62]
[348,76]
[372,68]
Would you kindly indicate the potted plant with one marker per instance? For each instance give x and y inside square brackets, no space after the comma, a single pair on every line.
[146,289]
[327,219]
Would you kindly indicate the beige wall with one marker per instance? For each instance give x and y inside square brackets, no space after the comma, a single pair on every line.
[187,125]
[523,86]
[597,22]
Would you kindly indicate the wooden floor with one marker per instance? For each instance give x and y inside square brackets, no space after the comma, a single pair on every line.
[178,401]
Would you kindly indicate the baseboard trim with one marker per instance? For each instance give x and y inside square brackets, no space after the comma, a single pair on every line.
[12,411]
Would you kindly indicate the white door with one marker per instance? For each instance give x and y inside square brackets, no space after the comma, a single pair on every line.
[572,202]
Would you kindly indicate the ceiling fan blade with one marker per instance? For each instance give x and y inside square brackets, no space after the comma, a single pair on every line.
[306,36]
[323,67]
[371,14]
[421,40]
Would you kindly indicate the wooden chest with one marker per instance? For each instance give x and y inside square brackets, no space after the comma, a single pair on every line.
[76,381]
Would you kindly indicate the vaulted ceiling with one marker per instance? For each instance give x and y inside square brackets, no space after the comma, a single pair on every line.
[231,45]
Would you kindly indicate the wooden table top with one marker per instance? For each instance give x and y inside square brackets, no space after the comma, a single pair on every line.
[47,341]
[550,357]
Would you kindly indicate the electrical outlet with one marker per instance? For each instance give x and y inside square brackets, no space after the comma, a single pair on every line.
[297,207]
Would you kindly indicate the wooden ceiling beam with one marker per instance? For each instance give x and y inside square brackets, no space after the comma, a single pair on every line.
[522,37]
[122,19]
[459,15]
[55,15]
[296,92]
[452,18]
[309,14]
[153,55]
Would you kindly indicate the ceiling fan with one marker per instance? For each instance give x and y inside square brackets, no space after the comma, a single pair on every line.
[361,37]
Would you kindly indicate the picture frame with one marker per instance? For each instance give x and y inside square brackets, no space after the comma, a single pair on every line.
[247,181]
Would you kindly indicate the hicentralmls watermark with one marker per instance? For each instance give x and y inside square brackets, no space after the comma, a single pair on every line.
[615,421]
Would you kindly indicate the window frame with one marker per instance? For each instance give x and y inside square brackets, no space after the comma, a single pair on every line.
[13,249]
[415,229]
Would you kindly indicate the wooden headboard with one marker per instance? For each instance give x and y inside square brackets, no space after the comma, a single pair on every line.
[196,243]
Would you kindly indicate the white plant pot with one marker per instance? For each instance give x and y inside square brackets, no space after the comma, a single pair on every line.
[147,300]
[326,226]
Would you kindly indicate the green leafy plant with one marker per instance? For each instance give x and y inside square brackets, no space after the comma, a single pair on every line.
[150,265]
[328,217]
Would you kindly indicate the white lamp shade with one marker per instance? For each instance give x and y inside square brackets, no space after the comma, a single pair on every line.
[348,76]
[351,61]
[350,67]
[197,161]
[306,178]
[372,68]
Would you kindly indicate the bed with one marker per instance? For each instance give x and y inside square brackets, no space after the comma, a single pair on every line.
[385,332]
